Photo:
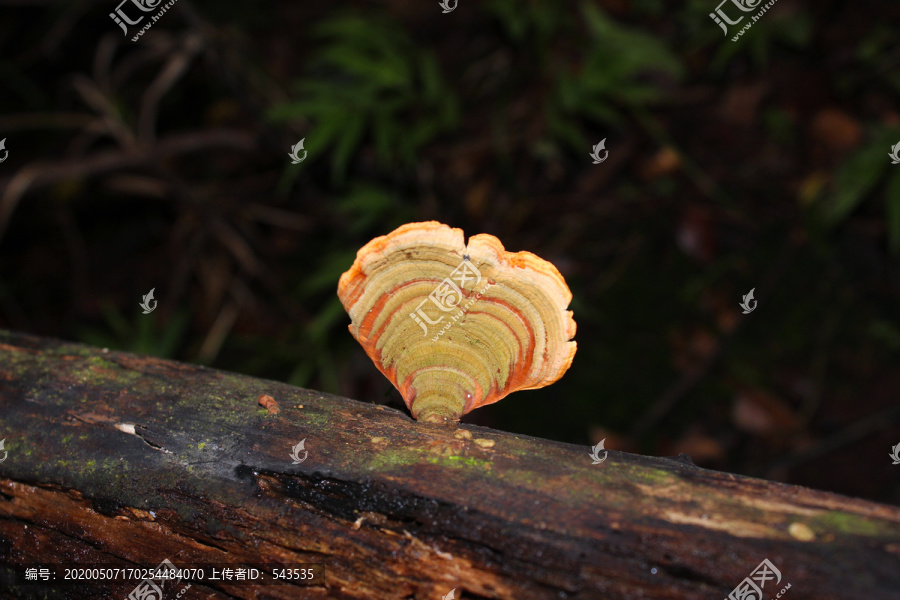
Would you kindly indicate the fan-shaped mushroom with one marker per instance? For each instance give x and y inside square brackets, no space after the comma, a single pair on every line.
[456,326]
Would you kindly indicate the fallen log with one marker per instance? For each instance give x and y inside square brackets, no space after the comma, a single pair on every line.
[130,462]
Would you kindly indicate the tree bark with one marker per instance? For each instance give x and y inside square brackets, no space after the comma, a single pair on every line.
[126,460]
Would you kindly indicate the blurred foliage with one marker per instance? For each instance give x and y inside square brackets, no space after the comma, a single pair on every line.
[367,207]
[531,23]
[859,176]
[791,29]
[144,335]
[874,61]
[610,77]
[369,77]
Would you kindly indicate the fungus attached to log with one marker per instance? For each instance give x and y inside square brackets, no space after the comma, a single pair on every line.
[456,326]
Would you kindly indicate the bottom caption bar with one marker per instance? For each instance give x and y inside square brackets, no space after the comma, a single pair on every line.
[153,579]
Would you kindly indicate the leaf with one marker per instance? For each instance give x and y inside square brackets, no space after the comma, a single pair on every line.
[383,132]
[603,113]
[302,374]
[892,209]
[369,77]
[328,371]
[355,28]
[794,29]
[328,316]
[366,205]
[430,74]
[172,335]
[628,51]
[761,413]
[611,76]
[565,130]
[374,69]
[328,271]
[116,321]
[853,181]
[885,331]
[324,133]
[352,132]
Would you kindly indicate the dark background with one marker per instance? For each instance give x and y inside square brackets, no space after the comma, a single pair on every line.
[761,163]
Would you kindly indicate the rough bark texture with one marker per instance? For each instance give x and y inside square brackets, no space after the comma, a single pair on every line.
[386,507]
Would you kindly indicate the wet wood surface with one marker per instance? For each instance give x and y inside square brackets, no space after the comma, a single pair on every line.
[126,461]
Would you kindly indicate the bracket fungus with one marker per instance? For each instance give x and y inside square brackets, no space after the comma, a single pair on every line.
[455,326]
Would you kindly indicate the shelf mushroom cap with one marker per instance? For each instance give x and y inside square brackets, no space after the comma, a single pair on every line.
[456,326]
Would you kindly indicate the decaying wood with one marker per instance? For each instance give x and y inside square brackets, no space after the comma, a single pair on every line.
[128,460]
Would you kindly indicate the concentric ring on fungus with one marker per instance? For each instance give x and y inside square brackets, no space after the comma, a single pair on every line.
[456,326]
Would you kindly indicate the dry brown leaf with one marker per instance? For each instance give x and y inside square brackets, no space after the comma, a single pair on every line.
[836,129]
[761,413]
[690,349]
[741,103]
[700,447]
[664,162]
[614,441]
[476,198]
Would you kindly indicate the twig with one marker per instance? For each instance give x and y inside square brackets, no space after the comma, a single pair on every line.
[41,175]
[96,99]
[278,217]
[228,315]
[44,121]
[837,440]
[168,77]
